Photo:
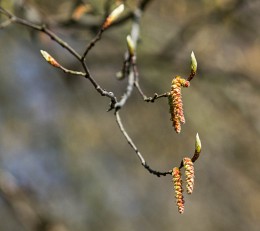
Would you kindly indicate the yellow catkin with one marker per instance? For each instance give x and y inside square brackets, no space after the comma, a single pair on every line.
[189,174]
[175,102]
[177,183]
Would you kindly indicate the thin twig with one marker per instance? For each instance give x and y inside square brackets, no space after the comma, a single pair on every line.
[155,97]
[41,28]
[98,88]
[133,75]
[157,173]
[53,36]
[129,90]
[191,76]
[92,43]
[150,99]
[139,155]
[129,140]
[72,72]
[130,60]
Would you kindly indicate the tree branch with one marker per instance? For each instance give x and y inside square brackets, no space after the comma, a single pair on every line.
[133,76]
[139,155]
[41,28]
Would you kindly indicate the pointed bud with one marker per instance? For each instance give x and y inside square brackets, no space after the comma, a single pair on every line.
[197,143]
[130,45]
[50,59]
[119,75]
[194,64]
[113,16]
[197,148]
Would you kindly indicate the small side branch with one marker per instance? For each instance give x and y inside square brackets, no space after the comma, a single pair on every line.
[130,69]
[150,99]
[129,66]
[98,88]
[57,39]
[72,72]
[156,96]
[92,44]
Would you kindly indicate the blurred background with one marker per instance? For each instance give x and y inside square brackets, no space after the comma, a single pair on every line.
[64,165]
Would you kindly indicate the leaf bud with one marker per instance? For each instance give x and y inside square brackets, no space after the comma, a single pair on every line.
[130,45]
[194,64]
[50,59]
[113,16]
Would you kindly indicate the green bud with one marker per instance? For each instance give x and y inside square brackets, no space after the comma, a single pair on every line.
[130,45]
[119,75]
[197,144]
[194,64]
[50,59]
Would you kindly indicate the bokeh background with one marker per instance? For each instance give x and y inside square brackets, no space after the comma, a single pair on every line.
[65,166]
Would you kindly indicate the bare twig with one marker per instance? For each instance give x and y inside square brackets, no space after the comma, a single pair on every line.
[92,43]
[68,71]
[53,36]
[98,88]
[130,60]
[137,85]
[133,75]
[155,97]
[132,144]
[41,28]
[129,90]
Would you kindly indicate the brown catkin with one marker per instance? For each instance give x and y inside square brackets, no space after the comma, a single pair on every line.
[175,102]
[189,174]
[177,183]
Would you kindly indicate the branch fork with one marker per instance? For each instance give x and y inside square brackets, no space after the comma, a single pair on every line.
[130,71]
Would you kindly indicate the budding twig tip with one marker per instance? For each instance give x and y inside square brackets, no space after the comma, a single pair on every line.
[130,45]
[113,15]
[194,64]
[50,59]
[44,54]
[198,143]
